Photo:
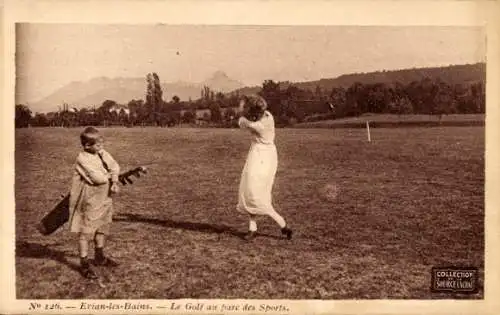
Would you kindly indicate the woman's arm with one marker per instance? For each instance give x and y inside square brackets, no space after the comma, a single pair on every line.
[255,127]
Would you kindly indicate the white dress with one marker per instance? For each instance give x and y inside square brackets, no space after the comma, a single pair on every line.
[260,167]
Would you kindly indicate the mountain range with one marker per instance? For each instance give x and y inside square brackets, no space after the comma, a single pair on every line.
[122,90]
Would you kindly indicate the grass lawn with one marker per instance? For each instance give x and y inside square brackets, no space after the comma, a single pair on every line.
[410,200]
[390,120]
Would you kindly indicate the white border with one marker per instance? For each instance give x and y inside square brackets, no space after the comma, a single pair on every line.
[463,13]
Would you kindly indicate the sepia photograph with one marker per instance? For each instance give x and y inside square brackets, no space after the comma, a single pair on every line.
[232,162]
[274,156]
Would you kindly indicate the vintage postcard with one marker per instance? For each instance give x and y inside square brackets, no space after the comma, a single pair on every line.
[250,157]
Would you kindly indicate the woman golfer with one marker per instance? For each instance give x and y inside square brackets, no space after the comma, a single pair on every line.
[258,174]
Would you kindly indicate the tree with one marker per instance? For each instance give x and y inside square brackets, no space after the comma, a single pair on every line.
[479,95]
[104,114]
[443,102]
[338,102]
[215,113]
[229,114]
[294,113]
[149,105]
[40,120]
[158,93]
[137,111]
[220,98]
[175,104]
[429,89]
[318,92]
[355,100]
[271,93]
[377,97]
[154,97]
[123,117]
[189,117]
[400,105]
[23,116]
[107,105]
[206,93]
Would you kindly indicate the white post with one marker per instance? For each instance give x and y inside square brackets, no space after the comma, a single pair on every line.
[368,131]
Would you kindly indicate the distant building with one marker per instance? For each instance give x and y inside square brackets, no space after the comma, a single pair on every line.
[118,108]
[51,115]
[202,113]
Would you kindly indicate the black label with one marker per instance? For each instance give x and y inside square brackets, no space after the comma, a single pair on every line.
[454,279]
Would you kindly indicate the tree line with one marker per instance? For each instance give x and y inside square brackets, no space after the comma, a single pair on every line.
[288,103]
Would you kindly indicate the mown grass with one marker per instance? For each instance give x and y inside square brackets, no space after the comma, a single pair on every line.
[398,121]
[409,200]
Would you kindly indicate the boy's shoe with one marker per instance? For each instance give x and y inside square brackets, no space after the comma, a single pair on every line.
[88,272]
[105,262]
[250,235]
[288,232]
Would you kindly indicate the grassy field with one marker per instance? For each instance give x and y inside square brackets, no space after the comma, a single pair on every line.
[390,120]
[410,200]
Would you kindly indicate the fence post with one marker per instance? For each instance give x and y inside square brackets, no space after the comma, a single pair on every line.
[368,131]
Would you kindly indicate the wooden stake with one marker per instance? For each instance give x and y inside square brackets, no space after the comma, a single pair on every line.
[368,131]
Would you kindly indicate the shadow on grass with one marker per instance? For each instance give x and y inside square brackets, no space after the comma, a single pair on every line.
[34,250]
[190,226]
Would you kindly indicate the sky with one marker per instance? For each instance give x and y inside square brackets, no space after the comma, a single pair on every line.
[49,56]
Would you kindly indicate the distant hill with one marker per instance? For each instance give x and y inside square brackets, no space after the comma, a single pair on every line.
[122,90]
[454,74]
[248,90]
[221,82]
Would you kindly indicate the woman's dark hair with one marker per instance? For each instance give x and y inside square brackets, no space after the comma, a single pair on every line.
[255,107]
